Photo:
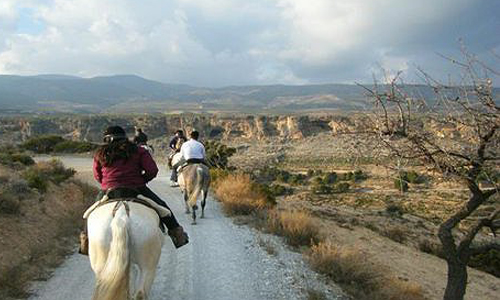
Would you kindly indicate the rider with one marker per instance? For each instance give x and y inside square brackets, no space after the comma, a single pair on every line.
[140,137]
[193,151]
[177,141]
[121,164]
[175,145]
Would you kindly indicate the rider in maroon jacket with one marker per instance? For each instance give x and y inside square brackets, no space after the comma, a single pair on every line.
[122,164]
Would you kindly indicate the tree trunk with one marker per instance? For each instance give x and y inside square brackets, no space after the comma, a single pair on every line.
[457,280]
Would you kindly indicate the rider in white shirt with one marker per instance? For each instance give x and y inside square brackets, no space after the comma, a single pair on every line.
[193,152]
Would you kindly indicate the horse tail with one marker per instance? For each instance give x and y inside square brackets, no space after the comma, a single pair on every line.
[198,185]
[112,282]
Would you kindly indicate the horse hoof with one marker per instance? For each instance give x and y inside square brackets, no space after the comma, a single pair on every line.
[195,207]
[188,212]
[202,216]
[193,223]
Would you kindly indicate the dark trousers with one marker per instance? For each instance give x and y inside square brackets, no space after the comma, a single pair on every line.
[170,221]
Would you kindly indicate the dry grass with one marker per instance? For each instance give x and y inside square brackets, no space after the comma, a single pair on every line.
[239,196]
[357,273]
[298,228]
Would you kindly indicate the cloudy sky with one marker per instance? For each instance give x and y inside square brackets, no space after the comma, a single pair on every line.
[235,42]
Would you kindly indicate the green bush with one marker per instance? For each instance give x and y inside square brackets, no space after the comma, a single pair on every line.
[279,190]
[9,203]
[359,175]
[270,197]
[413,177]
[330,178]
[54,143]
[341,187]
[297,179]
[401,185]
[36,179]
[42,144]
[346,176]
[488,262]
[217,154]
[69,146]
[217,174]
[38,176]
[10,159]
[322,189]
[395,209]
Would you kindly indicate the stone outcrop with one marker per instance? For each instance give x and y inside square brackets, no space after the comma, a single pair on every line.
[212,126]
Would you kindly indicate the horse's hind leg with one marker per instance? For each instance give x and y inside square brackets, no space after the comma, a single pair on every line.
[186,202]
[203,202]
[194,216]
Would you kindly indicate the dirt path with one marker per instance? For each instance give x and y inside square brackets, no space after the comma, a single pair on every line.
[222,261]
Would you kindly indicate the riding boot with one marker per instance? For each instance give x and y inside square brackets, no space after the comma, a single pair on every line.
[177,234]
[84,241]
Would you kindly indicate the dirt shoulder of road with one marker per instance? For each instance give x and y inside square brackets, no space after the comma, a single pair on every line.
[37,238]
[345,226]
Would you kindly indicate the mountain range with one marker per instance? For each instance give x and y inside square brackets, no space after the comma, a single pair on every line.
[131,93]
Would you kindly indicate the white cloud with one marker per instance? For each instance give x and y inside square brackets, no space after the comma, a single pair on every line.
[218,42]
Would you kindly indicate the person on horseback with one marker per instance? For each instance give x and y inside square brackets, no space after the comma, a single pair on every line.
[193,151]
[140,137]
[175,145]
[123,169]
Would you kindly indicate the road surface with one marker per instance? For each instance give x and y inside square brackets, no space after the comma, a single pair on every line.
[222,261]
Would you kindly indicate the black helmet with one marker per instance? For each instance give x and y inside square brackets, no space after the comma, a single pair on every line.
[114,133]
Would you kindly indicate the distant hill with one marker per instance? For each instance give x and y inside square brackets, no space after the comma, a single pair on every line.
[131,93]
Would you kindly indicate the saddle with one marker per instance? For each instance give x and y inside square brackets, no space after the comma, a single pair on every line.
[127,195]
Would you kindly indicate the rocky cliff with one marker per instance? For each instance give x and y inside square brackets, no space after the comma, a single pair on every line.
[211,126]
[255,127]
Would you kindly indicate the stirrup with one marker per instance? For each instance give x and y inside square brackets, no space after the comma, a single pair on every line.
[84,243]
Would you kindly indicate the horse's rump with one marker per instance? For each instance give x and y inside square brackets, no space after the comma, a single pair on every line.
[119,241]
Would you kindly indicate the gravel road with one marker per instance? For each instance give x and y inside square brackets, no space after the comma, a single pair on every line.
[222,261]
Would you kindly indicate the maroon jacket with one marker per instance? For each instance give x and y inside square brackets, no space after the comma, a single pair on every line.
[134,172]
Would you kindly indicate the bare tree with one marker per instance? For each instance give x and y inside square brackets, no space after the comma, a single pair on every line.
[458,136]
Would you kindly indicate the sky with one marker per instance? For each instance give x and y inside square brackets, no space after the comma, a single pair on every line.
[240,42]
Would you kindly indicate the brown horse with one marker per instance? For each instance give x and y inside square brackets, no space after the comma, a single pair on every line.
[193,180]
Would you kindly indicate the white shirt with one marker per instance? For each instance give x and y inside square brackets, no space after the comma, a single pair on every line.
[192,149]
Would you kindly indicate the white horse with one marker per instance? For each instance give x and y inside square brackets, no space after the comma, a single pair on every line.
[124,248]
[193,180]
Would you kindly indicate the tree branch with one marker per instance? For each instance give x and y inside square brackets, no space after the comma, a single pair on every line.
[483,248]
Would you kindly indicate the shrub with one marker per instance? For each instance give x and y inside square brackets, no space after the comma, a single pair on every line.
[297,227]
[9,203]
[218,154]
[19,186]
[54,143]
[488,262]
[42,144]
[36,179]
[346,176]
[239,195]
[39,175]
[217,174]
[69,146]
[341,187]
[297,179]
[359,175]
[322,189]
[413,177]
[395,209]
[330,178]
[354,270]
[9,159]
[401,185]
